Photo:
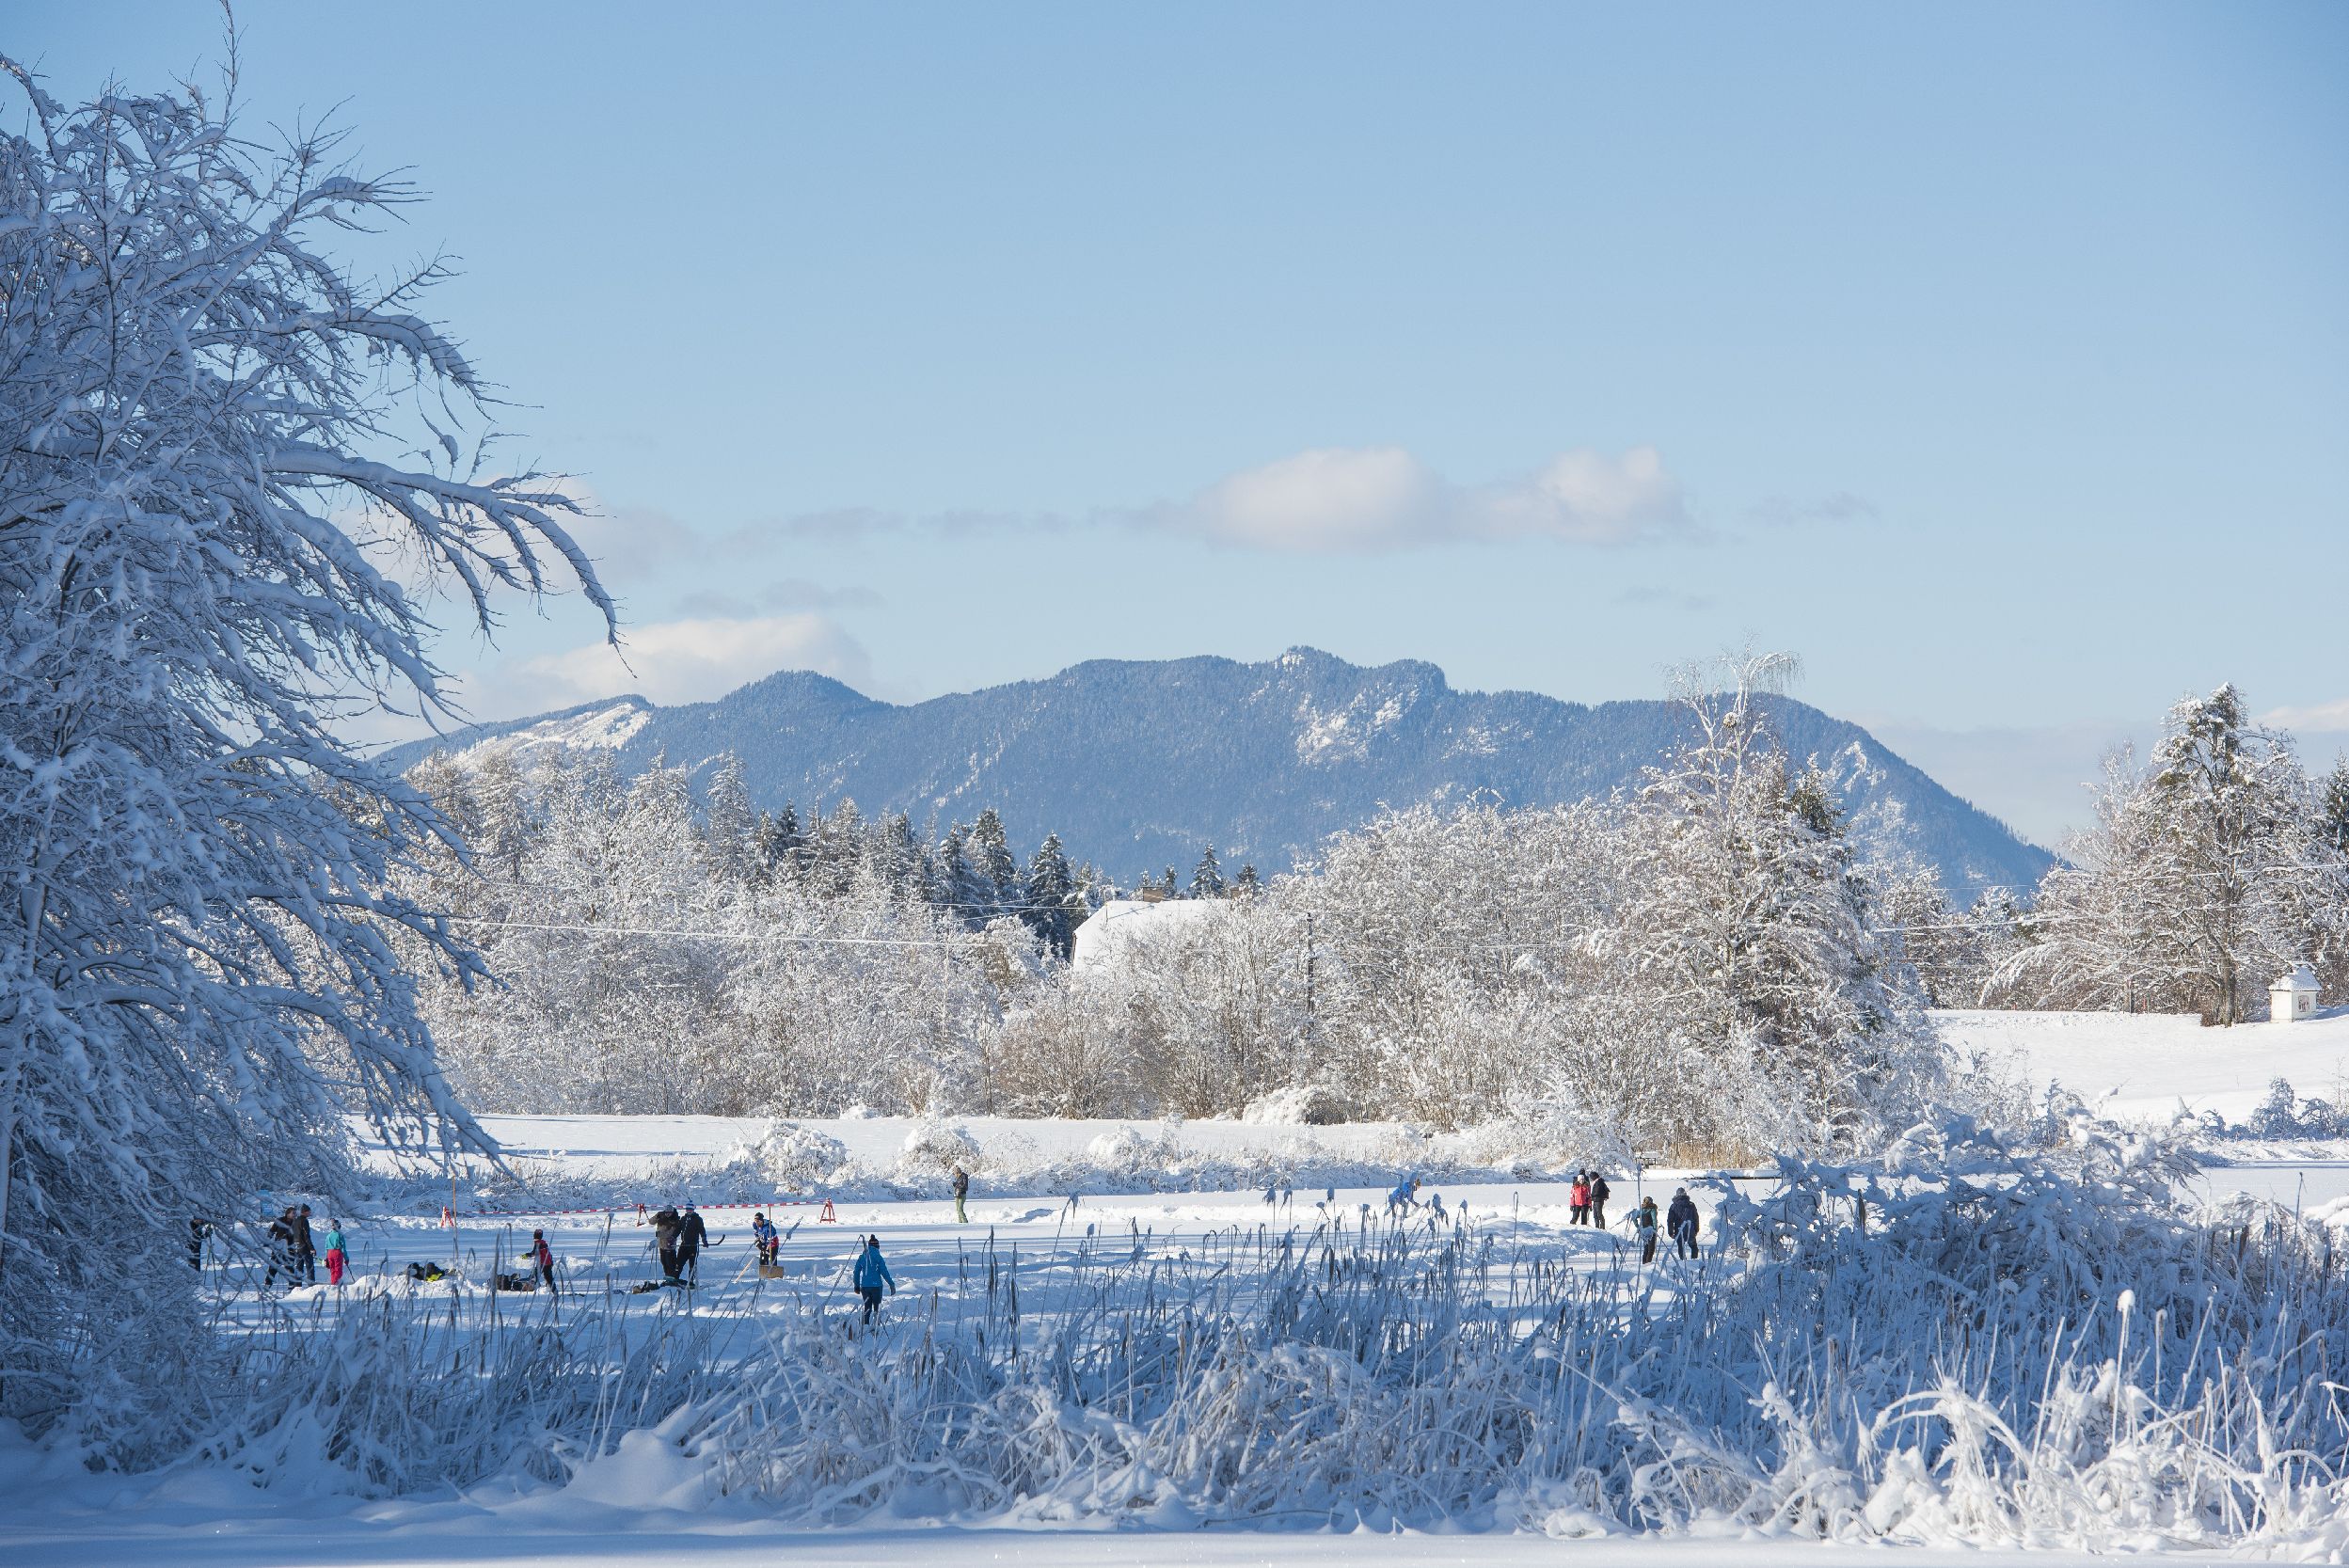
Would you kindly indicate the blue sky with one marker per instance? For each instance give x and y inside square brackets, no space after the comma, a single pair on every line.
[1995,359]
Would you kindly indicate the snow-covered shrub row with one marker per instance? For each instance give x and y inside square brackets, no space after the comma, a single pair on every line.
[1700,967]
[1955,1342]
[789,1159]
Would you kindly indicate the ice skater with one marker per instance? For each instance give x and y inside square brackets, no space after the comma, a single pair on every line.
[691,1236]
[872,1274]
[1403,1199]
[666,1224]
[1642,1223]
[1680,1219]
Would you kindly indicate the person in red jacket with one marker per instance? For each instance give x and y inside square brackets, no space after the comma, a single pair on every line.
[1578,1199]
[544,1256]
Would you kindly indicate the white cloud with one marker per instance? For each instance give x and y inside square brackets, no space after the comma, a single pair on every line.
[2316,719]
[1840,507]
[1363,498]
[790,594]
[689,661]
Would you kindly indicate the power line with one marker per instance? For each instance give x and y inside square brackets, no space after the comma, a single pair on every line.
[712,936]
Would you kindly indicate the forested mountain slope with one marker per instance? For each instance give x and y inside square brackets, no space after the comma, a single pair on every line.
[1139,765]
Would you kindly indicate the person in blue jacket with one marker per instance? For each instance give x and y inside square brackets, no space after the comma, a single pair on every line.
[1404,1198]
[872,1273]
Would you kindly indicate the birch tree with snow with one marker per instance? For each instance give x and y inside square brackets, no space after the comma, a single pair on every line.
[197,521]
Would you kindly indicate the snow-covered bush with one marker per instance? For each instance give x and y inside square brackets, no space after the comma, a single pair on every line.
[934,1149]
[2285,1115]
[1129,1150]
[1299,1105]
[1546,1140]
[795,1159]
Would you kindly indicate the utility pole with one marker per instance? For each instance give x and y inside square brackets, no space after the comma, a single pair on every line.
[945,1014]
[1308,980]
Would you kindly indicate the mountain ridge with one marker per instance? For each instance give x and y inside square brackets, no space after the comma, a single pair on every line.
[1139,763]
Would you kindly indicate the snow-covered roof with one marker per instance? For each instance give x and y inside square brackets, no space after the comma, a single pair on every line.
[1113,929]
[2302,977]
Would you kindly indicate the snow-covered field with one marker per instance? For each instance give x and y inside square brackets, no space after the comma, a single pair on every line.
[1070,1214]
[2147,1066]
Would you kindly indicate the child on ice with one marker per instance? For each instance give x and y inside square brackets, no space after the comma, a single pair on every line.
[337,1260]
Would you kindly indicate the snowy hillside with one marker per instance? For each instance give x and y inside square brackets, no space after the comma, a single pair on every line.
[2134,1066]
[1136,765]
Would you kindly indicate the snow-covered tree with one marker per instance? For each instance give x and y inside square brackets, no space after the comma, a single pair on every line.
[1053,906]
[778,843]
[730,823]
[2208,871]
[2333,805]
[997,874]
[1751,918]
[1207,877]
[201,505]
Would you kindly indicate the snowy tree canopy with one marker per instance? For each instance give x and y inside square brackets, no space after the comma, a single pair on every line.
[2210,870]
[198,524]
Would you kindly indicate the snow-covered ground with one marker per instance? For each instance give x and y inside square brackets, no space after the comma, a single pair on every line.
[2144,1067]
[1182,1220]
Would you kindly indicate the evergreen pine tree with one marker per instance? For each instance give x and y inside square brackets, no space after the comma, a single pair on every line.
[730,827]
[1207,880]
[1052,900]
[1248,885]
[2335,805]
[897,856]
[778,843]
[958,883]
[835,846]
[991,857]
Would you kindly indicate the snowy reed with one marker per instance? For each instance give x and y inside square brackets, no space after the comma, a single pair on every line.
[1956,1341]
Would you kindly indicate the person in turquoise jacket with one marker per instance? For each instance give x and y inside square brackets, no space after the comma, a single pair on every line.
[872,1273]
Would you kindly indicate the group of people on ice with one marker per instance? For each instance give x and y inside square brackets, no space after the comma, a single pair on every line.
[1586,1204]
[294,1248]
[681,1235]
[1586,1201]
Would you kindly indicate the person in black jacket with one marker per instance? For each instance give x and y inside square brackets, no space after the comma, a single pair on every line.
[304,1250]
[692,1233]
[665,1227]
[281,1253]
[1680,1219]
[962,1191]
[1599,1200]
